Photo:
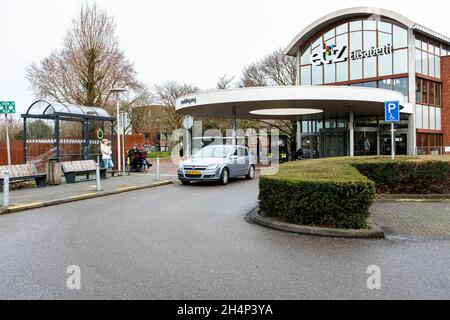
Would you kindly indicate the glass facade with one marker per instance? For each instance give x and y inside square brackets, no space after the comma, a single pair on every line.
[428,57]
[356,50]
[428,104]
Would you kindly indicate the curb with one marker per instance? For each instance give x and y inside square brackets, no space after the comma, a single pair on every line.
[374,233]
[92,195]
[412,197]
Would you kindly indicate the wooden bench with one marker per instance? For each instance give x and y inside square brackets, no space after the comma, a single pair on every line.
[73,168]
[23,172]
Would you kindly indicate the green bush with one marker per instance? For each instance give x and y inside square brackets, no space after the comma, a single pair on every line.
[323,203]
[338,192]
[408,176]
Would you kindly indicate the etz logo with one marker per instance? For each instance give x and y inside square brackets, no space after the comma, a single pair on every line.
[329,54]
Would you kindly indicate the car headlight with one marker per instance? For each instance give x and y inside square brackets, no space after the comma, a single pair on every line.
[180,166]
[213,166]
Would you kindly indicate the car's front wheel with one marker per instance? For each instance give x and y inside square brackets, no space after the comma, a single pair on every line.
[251,172]
[224,176]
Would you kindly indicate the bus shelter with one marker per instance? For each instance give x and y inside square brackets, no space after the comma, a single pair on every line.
[64,132]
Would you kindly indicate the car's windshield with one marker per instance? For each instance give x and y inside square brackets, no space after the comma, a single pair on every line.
[212,152]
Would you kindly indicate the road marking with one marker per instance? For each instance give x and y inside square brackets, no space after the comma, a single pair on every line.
[84,195]
[127,188]
[28,205]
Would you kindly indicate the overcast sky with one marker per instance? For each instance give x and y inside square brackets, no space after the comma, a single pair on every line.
[191,42]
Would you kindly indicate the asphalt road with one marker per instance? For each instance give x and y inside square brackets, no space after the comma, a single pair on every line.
[192,242]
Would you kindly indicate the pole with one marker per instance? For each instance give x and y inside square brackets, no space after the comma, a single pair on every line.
[352,134]
[5,188]
[97,175]
[123,149]
[119,160]
[392,142]
[234,125]
[8,147]
[157,169]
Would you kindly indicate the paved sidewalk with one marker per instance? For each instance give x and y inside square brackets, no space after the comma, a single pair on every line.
[23,198]
[413,220]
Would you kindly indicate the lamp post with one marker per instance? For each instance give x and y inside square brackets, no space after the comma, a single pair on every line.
[117,91]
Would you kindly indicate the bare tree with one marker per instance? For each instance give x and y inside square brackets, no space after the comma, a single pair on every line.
[276,69]
[88,66]
[224,82]
[167,94]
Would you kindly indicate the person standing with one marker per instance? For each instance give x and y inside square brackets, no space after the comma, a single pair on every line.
[106,151]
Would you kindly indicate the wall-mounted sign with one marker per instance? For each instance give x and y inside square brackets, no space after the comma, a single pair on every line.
[373,52]
[332,54]
[329,54]
[189,101]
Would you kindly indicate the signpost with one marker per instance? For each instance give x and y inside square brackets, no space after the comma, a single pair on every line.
[392,114]
[188,121]
[7,107]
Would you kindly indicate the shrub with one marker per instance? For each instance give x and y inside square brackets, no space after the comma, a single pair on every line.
[338,192]
[408,176]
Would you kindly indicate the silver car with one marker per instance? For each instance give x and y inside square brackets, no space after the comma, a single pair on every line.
[217,163]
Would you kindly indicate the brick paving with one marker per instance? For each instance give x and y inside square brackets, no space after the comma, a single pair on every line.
[413,219]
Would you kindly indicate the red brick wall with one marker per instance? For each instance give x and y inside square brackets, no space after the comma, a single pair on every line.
[445,117]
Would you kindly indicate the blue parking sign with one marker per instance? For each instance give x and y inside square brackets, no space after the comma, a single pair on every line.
[392,111]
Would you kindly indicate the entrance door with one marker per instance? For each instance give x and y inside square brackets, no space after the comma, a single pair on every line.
[401,145]
[334,143]
[365,141]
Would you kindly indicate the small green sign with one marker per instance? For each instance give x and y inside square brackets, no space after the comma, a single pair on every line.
[7,107]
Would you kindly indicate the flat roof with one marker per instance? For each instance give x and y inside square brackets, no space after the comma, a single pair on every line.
[288,102]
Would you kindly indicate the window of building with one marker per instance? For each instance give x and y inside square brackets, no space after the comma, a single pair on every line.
[438,118]
[400,37]
[305,75]
[317,77]
[431,93]
[343,28]
[418,116]
[432,118]
[418,91]
[401,85]
[401,61]
[425,124]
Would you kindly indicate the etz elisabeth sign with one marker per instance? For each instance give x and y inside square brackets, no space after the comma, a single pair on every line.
[332,54]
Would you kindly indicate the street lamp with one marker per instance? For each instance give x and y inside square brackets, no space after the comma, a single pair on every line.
[117,91]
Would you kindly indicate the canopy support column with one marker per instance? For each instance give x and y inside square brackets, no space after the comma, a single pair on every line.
[351,134]
[234,126]
[299,135]
[24,140]
[57,139]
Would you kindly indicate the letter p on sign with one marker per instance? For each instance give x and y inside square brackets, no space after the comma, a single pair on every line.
[391,111]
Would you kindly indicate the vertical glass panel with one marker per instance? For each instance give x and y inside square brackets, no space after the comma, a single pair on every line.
[369,25]
[424,63]
[305,56]
[316,43]
[343,28]
[418,91]
[305,75]
[329,71]
[431,65]
[370,67]
[418,61]
[385,84]
[431,93]
[400,37]
[384,26]
[355,65]
[341,41]
[342,71]
[438,94]
[317,77]
[384,39]
[432,118]
[425,124]
[330,34]
[438,118]
[370,40]
[401,61]
[401,85]
[424,46]
[355,25]
[418,44]
[425,92]
[418,116]
[370,84]
[437,63]
[385,65]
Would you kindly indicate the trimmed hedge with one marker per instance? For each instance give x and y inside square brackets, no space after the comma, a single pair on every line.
[408,176]
[338,192]
[322,203]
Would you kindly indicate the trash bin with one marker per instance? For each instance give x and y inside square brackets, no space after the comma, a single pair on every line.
[54,172]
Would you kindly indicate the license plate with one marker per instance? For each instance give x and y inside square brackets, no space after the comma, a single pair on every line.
[194,172]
